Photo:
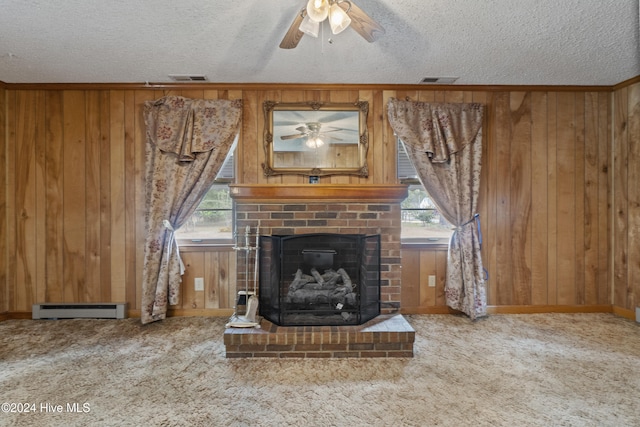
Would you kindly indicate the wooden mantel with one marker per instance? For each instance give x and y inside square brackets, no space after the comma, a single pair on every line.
[389,193]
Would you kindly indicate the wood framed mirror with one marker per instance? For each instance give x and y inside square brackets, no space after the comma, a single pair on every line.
[315,138]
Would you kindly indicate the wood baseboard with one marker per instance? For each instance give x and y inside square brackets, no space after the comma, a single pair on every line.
[494,309]
[533,309]
[197,312]
[517,309]
[623,312]
[209,312]
[429,310]
[19,315]
[204,312]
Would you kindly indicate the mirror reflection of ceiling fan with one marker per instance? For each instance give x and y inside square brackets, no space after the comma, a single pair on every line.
[340,13]
[314,134]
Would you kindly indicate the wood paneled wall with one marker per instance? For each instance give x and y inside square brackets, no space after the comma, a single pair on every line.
[626,198]
[4,305]
[75,200]
[544,201]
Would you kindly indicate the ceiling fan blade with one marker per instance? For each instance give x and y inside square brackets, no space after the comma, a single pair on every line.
[300,135]
[362,23]
[293,36]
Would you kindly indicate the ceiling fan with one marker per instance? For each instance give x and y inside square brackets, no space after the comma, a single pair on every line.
[313,134]
[341,14]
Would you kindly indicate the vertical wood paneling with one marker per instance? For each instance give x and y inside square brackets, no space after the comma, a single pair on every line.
[25,198]
[539,200]
[427,268]
[503,274]
[10,198]
[552,199]
[441,276]
[40,215]
[489,198]
[194,267]
[54,191]
[620,198]
[93,189]
[74,184]
[105,198]
[579,190]
[566,198]
[130,274]
[410,279]
[520,197]
[604,198]
[4,304]
[117,185]
[633,124]
[139,144]
[591,175]
[74,200]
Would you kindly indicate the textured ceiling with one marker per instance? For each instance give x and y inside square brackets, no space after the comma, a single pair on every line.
[487,42]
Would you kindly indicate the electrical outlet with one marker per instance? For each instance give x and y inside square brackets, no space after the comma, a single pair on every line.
[432,281]
[199,283]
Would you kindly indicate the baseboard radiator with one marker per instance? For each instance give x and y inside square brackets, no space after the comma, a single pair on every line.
[79,310]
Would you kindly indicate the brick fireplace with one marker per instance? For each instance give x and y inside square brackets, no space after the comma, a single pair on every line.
[329,208]
[290,209]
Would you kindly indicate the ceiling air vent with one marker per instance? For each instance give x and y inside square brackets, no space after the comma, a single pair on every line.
[438,80]
[188,77]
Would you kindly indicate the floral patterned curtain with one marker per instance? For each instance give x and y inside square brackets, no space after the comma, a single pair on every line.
[187,142]
[444,143]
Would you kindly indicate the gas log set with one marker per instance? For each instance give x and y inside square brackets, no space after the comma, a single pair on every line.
[333,288]
[319,279]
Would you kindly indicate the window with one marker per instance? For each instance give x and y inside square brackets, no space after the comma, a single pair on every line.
[420,218]
[212,221]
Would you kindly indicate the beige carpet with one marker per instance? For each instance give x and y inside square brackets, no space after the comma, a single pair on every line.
[506,370]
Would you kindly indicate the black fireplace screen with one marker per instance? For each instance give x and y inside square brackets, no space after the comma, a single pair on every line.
[319,279]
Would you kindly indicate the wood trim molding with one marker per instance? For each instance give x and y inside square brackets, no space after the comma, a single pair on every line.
[505,309]
[248,193]
[518,309]
[627,83]
[196,312]
[301,86]
[623,312]
[533,309]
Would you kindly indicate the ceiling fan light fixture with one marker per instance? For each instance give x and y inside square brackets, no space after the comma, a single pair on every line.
[314,142]
[318,10]
[309,26]
[338,18]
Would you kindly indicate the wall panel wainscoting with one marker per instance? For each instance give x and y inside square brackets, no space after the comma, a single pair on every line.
[558,205]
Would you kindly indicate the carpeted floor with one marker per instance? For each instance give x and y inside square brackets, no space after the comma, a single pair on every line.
[505,370]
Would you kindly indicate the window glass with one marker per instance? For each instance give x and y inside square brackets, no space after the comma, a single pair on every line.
[420,217]
[213,220]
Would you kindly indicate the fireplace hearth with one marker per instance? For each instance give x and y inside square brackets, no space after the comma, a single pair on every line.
[319,279]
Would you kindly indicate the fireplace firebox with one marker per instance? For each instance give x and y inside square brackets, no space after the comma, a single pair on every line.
[319,279]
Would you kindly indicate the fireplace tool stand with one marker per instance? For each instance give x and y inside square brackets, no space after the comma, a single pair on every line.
[246,308]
